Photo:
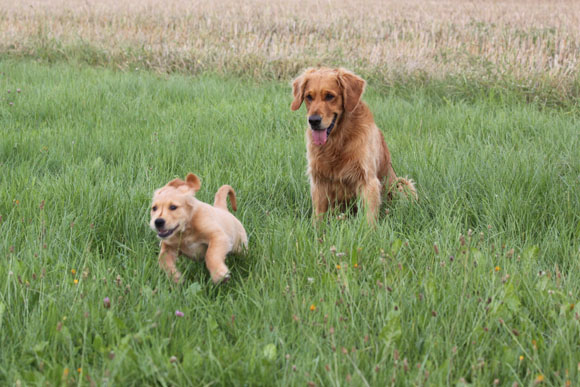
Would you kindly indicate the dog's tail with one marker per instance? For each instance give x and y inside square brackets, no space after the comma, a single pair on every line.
[402,185]
[221,196]
[406,186]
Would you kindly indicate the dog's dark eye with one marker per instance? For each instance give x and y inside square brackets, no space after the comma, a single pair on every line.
[154,208]
[173,207]
[309,97]
[328,97]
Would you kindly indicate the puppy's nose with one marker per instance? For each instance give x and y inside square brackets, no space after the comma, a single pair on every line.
[159,222]
[314,121]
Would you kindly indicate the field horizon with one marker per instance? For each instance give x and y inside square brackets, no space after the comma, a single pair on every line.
[525,49]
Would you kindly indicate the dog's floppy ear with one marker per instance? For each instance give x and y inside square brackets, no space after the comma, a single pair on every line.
[193,181]
[298,86]
[176,183]
[298,92]
[353,87]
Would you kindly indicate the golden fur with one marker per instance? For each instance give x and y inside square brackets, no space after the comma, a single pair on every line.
[353,159]
[190,227]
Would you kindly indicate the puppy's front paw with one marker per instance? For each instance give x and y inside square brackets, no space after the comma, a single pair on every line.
[226,278]
[220,276]
[176,277]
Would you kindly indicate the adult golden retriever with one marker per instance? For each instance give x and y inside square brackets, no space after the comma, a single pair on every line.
[346,151]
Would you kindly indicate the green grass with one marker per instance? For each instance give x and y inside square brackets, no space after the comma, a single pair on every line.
[83,149]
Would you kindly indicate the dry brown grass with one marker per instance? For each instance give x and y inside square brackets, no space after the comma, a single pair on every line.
[528,44]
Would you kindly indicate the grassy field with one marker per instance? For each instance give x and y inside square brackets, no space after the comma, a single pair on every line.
[476,282]
[529,48]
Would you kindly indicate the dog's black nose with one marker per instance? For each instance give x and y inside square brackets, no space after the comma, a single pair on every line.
[159,222]
[314,121]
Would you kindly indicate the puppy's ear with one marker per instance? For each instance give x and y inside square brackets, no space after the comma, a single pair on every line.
[298,86]
[176,183]
[193,181]
[353,87]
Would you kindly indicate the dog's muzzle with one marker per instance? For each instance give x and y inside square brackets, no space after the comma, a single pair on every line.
[315,120]
[162,232]
[319,136]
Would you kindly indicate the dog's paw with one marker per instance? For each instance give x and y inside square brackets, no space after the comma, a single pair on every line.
[176,277]
[221,276]
[226,278]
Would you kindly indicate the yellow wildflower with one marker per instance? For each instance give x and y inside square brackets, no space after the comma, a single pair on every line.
[73,271]
[497,268]
[76,281]
[312,307]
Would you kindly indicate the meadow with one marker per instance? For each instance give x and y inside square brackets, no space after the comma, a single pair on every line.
[473,283]
[101,102]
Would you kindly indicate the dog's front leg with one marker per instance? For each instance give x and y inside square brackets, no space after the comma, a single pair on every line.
[319,200]
[215,259]
[167,258]
[371,193]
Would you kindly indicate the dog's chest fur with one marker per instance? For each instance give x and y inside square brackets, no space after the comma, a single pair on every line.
[193,247]
[194,250]
[339,163]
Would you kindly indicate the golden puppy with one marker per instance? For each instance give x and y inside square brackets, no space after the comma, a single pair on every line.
[347,154]
[188,226]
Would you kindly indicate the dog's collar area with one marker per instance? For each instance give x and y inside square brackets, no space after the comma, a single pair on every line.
[331,126]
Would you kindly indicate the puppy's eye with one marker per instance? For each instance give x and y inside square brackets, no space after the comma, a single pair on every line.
[328,97]
[154,208]
[173,207]
[309,98]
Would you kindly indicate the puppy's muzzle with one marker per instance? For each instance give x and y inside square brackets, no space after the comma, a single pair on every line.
[159,223]
[162,231]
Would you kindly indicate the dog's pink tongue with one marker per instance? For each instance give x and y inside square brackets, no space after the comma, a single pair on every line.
[319,137]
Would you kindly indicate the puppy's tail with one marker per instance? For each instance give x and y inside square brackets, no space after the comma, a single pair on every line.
[406,187]
[221,196]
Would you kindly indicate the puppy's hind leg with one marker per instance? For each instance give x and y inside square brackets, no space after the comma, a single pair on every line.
[221,196]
